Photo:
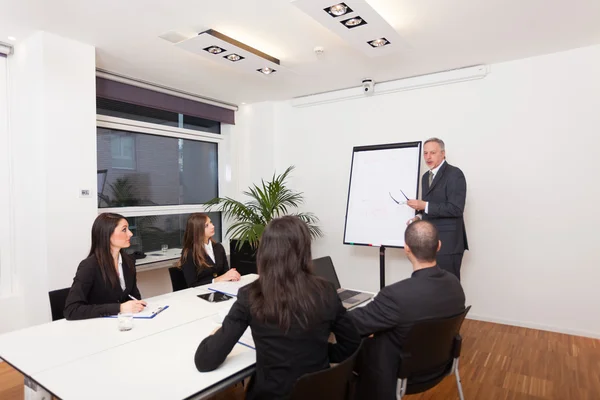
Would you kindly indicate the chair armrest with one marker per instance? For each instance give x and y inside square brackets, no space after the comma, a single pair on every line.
[457,346]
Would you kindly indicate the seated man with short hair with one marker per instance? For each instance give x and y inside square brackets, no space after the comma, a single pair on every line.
[429,293]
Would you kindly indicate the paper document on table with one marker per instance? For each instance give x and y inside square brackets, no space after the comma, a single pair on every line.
[231,288]
[149,312]
[247,339]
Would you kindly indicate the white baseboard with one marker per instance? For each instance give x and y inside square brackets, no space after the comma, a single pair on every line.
[575,332]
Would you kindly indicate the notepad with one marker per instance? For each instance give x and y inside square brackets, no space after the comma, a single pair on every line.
[149,312]
[231,288]
[247,339]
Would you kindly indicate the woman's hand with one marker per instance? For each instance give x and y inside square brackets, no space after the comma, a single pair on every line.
[231,275]
[133,306]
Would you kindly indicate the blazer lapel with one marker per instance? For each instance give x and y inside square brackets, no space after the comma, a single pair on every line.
[437,177]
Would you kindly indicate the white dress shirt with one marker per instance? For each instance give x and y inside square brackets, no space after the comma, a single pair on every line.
[121,277]
[209,250]
[434,172]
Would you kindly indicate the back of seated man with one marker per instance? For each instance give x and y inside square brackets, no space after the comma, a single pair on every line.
[429,293]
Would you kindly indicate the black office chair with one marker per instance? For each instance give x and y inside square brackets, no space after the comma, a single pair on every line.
[329,384]
[177,279]
[430,354]
[58,299]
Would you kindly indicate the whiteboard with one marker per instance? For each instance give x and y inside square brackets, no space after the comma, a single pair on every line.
[378,176]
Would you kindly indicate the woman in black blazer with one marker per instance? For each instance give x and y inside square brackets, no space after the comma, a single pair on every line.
[106,279]
[291,313]
[203,260]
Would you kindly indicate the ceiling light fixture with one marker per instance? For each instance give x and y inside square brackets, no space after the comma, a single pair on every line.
[379,42]
[12,38]
[233,57]
[231,52]
[266,70]
[214,49]
[344,19]
[338,10]
[354,22]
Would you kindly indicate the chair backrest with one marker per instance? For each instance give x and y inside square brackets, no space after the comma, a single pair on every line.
[329,384]
[430,346]
[177,279]
[57,302]
[324,268]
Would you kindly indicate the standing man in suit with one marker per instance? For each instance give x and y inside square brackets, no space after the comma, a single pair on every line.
[444,191]
[429,293]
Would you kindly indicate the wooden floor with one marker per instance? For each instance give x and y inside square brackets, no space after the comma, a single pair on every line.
[499,362]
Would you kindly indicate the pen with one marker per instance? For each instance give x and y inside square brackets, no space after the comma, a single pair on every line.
[133,298]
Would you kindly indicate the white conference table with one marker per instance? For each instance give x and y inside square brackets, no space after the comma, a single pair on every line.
[45,352]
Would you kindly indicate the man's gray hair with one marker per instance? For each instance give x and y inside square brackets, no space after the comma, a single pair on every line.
[438,141]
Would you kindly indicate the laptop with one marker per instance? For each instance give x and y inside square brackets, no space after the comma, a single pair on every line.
[324,268]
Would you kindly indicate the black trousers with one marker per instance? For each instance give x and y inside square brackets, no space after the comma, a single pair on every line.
[450,262]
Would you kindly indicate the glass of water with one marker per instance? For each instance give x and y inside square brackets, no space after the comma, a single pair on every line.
[164,247]
[125,321]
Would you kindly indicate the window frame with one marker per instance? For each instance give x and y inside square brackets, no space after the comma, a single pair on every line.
[128,125]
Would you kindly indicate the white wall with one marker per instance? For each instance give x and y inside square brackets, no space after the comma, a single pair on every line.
[525,137]
[52,112]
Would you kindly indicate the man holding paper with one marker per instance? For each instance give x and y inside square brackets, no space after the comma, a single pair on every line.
[444,192]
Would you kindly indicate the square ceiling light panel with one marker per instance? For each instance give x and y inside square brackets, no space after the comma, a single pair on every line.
[357,23]
[222,49]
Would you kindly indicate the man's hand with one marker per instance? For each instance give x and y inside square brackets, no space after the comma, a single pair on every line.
[416,204]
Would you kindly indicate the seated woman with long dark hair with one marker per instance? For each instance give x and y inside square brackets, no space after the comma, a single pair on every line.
[202,259]
[106,279]
[291,313]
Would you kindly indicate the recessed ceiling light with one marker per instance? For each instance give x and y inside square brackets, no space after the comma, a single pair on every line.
[12,38]
[226,50]
[338,10]
[243,102]
[354,22]
[214,49]
[233,57]
[379,42]
[266,70]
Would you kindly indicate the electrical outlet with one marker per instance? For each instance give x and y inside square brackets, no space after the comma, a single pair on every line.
[85,193]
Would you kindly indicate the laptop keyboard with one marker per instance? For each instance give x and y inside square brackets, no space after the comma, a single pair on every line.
[346,294]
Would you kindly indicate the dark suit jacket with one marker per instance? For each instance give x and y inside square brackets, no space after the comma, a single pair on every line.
[205,275]
[428,293]
[91,297]
[281,358]
[446,198]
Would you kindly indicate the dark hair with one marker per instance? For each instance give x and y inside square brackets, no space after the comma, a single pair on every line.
[422,237]
[193,241]
[286,291]
[102,229]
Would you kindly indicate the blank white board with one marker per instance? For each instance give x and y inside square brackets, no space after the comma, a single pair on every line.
[376,211]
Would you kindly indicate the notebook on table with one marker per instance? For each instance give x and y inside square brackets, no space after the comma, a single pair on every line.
[149,312]
[324,268]
[231,287]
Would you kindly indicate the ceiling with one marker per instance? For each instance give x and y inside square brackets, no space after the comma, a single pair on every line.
[438,34]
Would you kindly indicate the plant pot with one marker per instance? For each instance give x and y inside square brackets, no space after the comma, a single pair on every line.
[243,259]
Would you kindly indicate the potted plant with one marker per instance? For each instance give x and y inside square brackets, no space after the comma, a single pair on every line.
[270,200]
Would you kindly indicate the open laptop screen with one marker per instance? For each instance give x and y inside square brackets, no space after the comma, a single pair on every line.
[323,267]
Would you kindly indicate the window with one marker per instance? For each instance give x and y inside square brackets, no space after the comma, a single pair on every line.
[122,150]
[5,185]
[156,168]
